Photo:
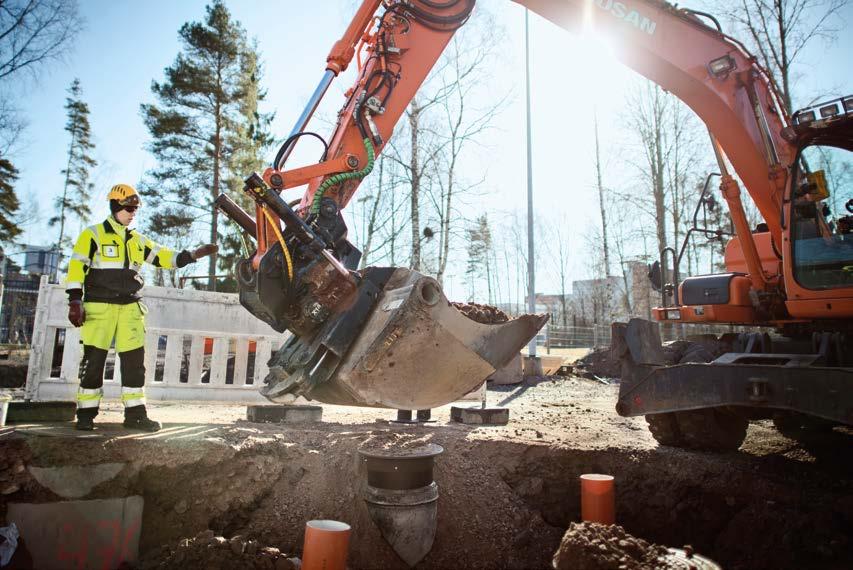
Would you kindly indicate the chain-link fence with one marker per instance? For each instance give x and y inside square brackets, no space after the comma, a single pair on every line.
[595,336]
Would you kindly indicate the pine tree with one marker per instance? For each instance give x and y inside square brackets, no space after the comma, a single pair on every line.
[199,131]
[8,201]
[250,140]
[77,187]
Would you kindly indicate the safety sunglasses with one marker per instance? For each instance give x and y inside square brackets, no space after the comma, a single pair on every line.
[130,209]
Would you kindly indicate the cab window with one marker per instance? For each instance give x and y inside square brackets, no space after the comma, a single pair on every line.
[822,218]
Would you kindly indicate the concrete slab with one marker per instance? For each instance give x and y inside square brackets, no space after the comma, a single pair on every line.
[80,534]
[533,366]
[55,411]
[480,416]
[273,413]
[509,374]
[75,481]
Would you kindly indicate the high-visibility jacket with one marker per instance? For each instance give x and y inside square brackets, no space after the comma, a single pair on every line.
[106,261]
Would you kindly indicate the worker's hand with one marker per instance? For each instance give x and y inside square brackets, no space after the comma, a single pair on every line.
[76,313]
[205,250]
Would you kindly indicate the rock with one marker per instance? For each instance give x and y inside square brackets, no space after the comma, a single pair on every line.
[181,507]
[271,551]
[237,544]
[206,536]
[9,489]
[288,564]
[219,541]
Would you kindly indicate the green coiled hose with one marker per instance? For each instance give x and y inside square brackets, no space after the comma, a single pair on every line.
[336,179]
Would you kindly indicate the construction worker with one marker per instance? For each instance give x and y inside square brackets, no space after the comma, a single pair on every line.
[103,297]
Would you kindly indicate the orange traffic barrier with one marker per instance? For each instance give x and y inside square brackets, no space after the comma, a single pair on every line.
[598,501]
[326,545]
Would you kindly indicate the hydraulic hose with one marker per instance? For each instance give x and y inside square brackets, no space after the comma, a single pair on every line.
[284,249]
[336,179]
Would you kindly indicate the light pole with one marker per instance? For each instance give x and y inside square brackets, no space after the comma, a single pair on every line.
[531,274]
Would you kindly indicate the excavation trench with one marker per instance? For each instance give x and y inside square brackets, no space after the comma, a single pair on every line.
[504,502]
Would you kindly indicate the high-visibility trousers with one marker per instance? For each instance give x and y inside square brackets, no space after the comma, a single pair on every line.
[107,323]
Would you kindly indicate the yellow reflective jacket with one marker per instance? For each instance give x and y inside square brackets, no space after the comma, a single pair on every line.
[106,261]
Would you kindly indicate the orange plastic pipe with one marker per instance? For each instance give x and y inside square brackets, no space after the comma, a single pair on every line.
[326,545]
[598,501]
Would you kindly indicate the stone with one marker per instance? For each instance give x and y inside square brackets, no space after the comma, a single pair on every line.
[29,412]
[274,413]
[480,416]
[75,481]
[9,489]
[287,564]
[181,507]
[237,544]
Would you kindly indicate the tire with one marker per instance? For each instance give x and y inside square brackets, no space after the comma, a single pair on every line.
[664,428]
[793,424]
[712,429]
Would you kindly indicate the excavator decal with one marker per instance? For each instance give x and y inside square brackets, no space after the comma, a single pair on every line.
[629,15]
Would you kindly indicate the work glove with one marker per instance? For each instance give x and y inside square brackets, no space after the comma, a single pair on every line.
[76,313]
[204,251]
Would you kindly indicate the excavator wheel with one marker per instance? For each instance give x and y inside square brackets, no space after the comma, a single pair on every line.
[664,428]
[712,429]
[709,429]
[795,425]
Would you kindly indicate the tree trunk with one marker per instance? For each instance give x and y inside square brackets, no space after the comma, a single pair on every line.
[371,224]
[414,117]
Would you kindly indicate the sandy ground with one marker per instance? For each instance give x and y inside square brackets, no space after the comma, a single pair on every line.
[506,494]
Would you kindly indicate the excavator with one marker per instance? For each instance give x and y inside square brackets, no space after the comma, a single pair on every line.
[388,337]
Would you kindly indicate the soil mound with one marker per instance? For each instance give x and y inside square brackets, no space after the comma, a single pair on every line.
[206,550]
[599,363]
[593,546]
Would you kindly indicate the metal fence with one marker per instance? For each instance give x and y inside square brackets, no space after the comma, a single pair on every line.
[596,336]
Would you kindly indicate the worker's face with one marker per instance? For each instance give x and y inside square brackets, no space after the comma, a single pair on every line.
[126,215]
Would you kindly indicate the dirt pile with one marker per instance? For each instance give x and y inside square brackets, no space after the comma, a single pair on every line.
[593,546]
[599,363]
[483,314]
[13,470]
[206,550]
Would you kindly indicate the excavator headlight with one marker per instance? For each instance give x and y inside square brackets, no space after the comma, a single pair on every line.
[804,117]
[673,314]
[829,111]
[722,66]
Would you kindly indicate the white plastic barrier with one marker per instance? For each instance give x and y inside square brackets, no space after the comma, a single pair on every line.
[198,346]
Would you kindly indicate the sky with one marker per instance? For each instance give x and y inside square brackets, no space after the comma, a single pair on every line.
[126,45]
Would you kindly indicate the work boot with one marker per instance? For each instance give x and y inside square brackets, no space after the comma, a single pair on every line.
[85,423]
[141,423]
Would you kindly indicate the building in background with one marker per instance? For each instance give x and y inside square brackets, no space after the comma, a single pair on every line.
[19,287]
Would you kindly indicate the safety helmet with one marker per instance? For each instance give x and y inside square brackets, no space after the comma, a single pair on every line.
[124,194]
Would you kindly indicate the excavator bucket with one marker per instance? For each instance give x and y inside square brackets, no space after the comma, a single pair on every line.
[400,345]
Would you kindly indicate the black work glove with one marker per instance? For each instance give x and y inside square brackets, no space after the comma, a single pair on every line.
[204,251]
[76,313]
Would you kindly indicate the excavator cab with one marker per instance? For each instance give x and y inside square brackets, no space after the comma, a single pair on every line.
[821,197]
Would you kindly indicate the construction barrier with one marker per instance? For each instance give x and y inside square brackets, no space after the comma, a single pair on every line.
[199,346]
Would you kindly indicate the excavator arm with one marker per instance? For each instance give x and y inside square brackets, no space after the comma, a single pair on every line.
[350,329]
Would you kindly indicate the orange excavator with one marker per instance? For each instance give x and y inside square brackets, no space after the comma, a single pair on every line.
[389,337]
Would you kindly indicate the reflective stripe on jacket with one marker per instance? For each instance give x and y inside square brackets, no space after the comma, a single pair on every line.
[106,261]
